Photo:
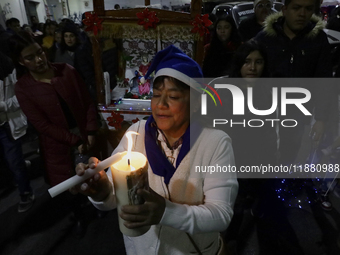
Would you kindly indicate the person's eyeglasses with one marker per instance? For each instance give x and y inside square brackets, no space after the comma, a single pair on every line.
[267,6]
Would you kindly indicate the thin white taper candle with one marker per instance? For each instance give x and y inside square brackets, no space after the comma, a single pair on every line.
[74,180]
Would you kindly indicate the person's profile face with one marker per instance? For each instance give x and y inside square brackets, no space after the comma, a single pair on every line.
[70,39]
[34,59]
[298,14]
[223,30]
[253,65]
[262,10]
[170,107]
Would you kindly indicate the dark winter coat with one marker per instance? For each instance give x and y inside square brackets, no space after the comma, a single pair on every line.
[41,104]
[249,28]
[217,62]
[82,61]
[306,55]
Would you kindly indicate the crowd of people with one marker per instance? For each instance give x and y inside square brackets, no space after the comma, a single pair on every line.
[55,87]
[63,42]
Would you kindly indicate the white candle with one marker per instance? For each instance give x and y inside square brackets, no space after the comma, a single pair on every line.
[127,180]
[74,180]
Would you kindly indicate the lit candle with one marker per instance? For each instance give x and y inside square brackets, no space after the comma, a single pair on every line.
[130,174]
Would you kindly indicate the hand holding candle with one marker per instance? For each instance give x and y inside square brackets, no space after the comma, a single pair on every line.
[74,180]
[129,175]
[150,213]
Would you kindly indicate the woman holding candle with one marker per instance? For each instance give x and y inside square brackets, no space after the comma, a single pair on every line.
[186,210]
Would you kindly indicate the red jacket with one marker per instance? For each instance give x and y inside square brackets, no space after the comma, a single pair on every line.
[40,102]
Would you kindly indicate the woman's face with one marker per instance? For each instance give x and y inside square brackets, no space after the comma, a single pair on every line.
[34,59]
[223,30]
[170,107]
[70,39]
[253,65]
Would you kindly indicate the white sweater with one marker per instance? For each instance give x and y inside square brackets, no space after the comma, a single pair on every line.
[201,204]
[9,107]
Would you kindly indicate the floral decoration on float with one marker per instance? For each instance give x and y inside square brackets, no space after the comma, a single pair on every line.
[201,24]
[147,19]
[115,120]
[92,22]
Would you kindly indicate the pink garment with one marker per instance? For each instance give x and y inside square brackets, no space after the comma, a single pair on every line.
[144,88]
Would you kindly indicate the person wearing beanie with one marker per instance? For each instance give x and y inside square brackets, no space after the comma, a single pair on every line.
[77,53]
[219,52]
[185,211]
[69,43]
[251,26]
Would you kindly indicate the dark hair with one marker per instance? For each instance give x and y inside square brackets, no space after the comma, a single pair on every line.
[287,2]
[71,28]
[216,44]
[10,21]
[159,81]
[49,24]
[17,43]
[242,53]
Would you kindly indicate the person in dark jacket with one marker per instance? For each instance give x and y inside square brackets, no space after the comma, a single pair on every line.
[297,47]
[57,103]
[77,53]
[251,26]
[253,146]
[219,53]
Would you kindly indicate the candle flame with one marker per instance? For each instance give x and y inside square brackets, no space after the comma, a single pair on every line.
[129,137]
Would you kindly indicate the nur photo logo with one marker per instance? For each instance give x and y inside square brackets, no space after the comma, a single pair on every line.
[204,98]
[242,101]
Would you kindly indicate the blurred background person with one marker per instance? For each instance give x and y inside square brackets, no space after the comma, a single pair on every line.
[219,52]
[49,33]
[250,27]
[13,26]
[78,54]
